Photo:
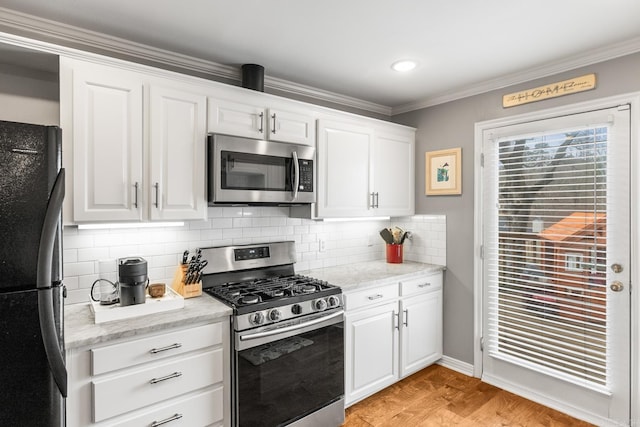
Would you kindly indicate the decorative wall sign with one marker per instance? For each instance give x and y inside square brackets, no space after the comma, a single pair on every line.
[443,172]
[566,87]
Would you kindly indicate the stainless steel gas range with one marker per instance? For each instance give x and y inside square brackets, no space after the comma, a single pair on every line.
[288,347]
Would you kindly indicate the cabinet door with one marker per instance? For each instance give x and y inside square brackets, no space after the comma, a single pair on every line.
[107,144]
[235,118]
[371,351]
[421,336]
[177,140]
[344,154]
[393,174]
[285,126]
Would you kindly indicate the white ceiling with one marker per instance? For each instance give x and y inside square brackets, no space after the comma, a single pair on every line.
[347,46]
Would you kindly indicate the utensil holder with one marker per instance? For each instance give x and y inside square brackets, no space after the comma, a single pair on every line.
[394,253]
[186,290]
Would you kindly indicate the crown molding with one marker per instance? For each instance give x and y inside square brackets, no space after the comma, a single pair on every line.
[570,63]
[48,34]
[58,38]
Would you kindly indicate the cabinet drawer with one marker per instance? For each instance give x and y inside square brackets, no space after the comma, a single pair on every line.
[200,410]
[119,394]
[118,356]
[427,283]
[371,296]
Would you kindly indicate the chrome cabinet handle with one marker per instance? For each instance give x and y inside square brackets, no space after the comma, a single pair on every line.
[424,285]
[397,323]
[135,201]
[166,420]
[261,128]
[166,377]
[161,349]
[406,317]
[373,200]
[273,129]
[156,186]
[377,205]
[374,297]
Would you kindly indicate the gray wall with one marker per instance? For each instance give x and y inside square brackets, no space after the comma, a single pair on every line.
[451,125]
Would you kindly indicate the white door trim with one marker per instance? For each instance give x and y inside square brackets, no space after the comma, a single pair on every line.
[634,100]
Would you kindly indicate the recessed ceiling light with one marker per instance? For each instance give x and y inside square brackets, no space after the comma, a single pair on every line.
[404,65]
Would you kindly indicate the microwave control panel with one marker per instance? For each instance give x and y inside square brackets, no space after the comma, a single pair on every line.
[306,175]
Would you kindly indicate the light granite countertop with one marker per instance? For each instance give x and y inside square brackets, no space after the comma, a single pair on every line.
[80,329]
[367,274]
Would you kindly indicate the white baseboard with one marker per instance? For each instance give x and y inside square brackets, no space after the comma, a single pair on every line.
[456,365]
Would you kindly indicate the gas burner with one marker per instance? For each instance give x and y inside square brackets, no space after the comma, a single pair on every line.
[306,289]
[250,299]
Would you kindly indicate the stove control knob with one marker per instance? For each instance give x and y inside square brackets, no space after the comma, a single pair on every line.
[320,304]
[333,301]
[275,315]
[256,318]
[296,309]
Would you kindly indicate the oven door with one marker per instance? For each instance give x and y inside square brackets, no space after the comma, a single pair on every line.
[243,170]
[286,374]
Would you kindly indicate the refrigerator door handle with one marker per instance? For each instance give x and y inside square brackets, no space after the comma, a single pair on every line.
[43,282]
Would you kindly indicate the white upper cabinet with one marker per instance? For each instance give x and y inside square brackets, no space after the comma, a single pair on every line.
[343,180]
[108,144]
[128,165]
[364,170]
[393,173]
[249,116]
[177,135]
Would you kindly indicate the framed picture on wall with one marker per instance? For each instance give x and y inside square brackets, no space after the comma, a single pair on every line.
[443,172]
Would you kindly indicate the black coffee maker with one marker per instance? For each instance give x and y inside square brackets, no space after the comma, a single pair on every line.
[133,280]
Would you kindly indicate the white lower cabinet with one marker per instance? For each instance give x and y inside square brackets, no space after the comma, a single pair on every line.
[177,378]
[391,331]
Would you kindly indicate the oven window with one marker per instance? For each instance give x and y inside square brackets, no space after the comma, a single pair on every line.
[285,380]
[244,171]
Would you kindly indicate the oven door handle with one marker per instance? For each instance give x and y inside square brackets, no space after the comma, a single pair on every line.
[290,328]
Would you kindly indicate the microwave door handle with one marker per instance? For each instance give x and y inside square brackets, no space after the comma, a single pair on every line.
[296,177]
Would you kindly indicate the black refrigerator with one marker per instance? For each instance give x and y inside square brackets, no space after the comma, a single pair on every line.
[33,376]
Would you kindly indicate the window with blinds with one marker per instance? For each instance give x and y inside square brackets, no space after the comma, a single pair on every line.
[546,254]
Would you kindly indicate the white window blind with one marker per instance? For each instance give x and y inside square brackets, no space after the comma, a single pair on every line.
[546,252]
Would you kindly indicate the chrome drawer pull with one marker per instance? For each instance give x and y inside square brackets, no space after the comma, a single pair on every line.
[166,420]
[168,377]
[372,297]
[424,285]
[169,347]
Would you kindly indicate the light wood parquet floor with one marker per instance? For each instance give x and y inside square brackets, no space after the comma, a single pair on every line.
[438,396]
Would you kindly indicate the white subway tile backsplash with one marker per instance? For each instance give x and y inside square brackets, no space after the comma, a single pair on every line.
[344,242]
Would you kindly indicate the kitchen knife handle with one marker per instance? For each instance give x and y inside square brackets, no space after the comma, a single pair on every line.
[174,417]
[156,186]
[273,129]
[166,377]
[135,200]
[261,128]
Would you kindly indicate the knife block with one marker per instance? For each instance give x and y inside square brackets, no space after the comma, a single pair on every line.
[178,285]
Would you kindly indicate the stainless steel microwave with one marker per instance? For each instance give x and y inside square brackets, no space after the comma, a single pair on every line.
[252,171]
